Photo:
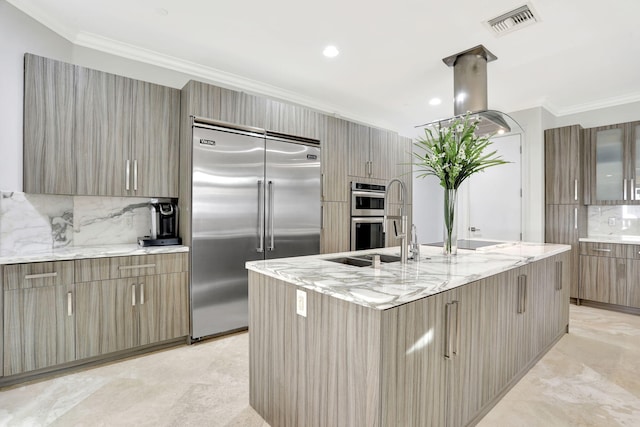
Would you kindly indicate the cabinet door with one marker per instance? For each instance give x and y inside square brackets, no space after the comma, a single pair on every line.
[38,328]
[292,119]
[633,132]
[562,154]
[564,224]
[103,133]
[49,108]
[335,160]
[155,125]
[163,307]
[359,152]
[383,154]
[465,369]
[609,164]
[106,317]
[336,227]
[603,279]
[633,283]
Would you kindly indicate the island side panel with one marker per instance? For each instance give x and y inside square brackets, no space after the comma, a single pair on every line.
[318,370]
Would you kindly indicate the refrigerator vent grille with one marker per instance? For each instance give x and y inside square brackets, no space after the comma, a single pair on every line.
[513,20]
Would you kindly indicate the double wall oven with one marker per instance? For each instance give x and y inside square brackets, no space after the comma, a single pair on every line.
[367,212]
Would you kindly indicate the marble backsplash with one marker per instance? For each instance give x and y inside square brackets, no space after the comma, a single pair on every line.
[613,221]
[39,222]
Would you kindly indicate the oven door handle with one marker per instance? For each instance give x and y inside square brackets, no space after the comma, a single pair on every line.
[367,219]
[368,194]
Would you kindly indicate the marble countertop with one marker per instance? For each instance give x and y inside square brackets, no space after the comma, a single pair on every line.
[394,284]
[627,240]
[80,252]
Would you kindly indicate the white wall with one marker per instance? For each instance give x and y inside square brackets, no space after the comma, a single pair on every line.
[19,34]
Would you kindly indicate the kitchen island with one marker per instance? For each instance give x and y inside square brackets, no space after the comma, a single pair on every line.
[434,342]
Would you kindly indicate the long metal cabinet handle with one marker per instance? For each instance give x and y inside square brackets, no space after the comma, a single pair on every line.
[575,189]
[322,186]
[575,218]
[69,304]
[272,244]
[133,295]
[522,293]
[260,248]
[141,293]
[135,175]
[624,189]
[127,175]
[632,190]
[558,275]
[321,217]
[40,276]
[448,341]
[456,340]
[601,250]
[133,267]
[452,332]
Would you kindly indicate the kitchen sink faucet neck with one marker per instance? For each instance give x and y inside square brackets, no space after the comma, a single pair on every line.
[402,217]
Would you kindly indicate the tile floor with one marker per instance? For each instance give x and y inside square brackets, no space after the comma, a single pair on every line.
[590,378]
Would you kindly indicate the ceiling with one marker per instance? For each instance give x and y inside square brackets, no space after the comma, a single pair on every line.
[580,56]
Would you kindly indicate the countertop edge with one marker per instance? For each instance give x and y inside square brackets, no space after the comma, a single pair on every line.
[631,241]
[84,252]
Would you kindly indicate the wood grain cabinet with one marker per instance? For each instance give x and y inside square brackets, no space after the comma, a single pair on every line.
[443,360]
[93,133]
[614,161]
[610,273]
[130,301]
[373,153]
[126,136]
[565,189]
[39,316]
[335,160]
[49,117]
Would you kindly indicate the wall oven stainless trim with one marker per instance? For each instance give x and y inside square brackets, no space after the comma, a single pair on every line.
[373,194]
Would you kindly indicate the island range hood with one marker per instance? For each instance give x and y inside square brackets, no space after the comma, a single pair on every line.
[470,92]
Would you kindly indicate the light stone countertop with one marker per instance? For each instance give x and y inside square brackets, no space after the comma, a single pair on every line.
[627,240]
[395,284]
[81,252]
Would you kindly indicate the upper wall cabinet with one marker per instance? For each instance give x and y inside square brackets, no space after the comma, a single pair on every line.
[49,108]
[217,103]
[563,165]
[292,119]
[614,161]
[123,137]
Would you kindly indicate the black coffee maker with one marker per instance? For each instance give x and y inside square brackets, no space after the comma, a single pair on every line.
[164,225]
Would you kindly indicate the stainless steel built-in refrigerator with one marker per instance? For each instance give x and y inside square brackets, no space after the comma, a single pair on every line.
[255,195]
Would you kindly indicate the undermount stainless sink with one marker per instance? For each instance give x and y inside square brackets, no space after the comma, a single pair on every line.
[364,260]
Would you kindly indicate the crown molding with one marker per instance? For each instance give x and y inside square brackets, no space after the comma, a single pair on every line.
[600,104]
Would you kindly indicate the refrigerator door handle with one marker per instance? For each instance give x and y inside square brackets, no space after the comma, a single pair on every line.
[272,245]
[260,247]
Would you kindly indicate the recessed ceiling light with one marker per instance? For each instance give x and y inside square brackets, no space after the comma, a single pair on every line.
[435,101]
[330,51]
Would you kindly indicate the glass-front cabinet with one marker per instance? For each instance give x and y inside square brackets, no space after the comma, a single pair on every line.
[615,164]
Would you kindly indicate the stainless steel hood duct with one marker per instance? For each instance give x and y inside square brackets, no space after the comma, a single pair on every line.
[470,92]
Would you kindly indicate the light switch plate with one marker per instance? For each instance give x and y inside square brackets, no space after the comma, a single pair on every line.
[301,303]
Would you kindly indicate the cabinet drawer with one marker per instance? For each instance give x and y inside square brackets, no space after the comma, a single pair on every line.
[612,250]
[633,251]
[145,265]
[89,270]
[37,274]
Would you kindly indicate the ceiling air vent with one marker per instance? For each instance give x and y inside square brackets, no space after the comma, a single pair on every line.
[513,20]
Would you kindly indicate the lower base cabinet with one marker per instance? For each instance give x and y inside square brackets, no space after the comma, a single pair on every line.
[39,320]
[49,320]
[120,314]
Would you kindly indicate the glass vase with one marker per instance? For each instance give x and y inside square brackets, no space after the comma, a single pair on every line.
[450,246]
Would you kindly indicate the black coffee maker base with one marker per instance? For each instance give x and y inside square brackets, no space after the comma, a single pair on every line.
[148,241]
